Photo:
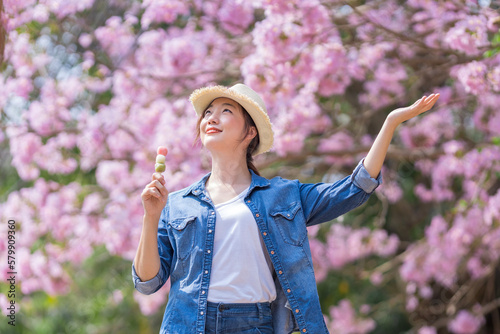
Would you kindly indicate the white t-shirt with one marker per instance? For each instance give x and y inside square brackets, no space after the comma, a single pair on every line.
[240,271]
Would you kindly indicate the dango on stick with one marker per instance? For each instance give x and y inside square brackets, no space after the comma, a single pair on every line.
[160,159]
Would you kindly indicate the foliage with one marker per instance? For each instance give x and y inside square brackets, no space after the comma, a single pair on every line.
[91,88]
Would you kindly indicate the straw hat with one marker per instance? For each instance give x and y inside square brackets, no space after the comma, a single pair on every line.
[248,99]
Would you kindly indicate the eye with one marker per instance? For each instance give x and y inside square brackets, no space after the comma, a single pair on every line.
[206,112]
[228,110]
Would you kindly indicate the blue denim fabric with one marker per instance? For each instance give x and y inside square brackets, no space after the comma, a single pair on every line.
[282,209]
[239,318]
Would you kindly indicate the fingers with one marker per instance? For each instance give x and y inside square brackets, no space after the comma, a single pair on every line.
[151,192]
[159,177]
[429,102]
[160,187]
[156,184]
[156,187]
[431,98]
[426,102]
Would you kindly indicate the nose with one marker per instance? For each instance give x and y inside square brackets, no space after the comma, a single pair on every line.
[213,119]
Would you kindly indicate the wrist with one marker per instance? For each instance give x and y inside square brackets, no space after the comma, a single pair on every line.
[391,123]
[149,219]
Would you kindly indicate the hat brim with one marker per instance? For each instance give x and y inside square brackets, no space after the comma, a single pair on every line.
[201,99]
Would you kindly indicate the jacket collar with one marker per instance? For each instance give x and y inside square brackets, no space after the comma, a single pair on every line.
[198,188]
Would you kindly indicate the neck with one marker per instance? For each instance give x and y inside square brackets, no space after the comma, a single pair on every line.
[230,170]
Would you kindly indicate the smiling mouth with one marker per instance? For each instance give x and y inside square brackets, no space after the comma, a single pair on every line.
[210,131]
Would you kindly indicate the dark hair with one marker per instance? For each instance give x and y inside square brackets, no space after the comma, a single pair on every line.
[252,147]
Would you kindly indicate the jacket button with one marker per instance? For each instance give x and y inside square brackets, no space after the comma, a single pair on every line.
[288,290]
[304,330]
[257,215]
[264,233]
[280,272]
[297,310]
[272,252]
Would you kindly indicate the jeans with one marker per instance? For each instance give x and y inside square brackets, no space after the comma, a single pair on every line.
[239,318]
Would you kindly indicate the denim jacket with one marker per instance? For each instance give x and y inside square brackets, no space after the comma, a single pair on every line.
[282,209]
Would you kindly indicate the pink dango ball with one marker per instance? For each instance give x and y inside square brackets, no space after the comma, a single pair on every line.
[162,150]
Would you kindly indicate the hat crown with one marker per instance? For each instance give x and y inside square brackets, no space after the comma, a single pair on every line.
[245,90]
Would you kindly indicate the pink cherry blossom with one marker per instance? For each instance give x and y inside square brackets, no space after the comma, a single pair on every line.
[79,100]
[68,7]
[24,147]
[472,77]
[339,141]
[85,40]
[115,37]
[390,188]
[465,323]
[386,86]
[427,330]
[163,11]
[117,297]
[494,79]
[150,303]
[345,245]
[376,278]
[468,35]
[344,320]
[235,16]
[320,261]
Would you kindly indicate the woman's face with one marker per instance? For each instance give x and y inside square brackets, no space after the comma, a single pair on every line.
[223,126]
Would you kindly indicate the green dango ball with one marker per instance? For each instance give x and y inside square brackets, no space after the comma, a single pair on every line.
[159,167]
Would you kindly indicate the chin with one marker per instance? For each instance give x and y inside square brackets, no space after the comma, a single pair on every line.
[213,145]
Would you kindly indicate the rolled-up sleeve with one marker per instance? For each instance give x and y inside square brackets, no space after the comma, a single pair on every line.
[362,179]
[147,287]
[322,202]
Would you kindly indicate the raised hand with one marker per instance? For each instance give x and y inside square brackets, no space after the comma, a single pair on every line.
[155,194]
[376,156]
[420,106]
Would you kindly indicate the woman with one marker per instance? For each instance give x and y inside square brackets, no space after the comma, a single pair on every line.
[235,244]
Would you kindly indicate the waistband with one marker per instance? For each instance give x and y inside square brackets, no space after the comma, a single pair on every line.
[264,307]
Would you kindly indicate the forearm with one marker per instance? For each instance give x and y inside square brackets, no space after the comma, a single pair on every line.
[147,258]
[376,156]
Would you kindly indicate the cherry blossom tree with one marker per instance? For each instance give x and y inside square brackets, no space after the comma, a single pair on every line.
[90,88]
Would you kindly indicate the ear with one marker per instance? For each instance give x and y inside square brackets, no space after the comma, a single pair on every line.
[252,132]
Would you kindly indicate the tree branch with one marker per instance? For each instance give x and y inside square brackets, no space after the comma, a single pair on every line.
[393,153]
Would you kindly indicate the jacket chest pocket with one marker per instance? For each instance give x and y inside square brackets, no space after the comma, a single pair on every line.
[183,231]
[291,224]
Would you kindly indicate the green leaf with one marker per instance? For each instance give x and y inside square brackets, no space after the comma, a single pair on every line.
[491,53]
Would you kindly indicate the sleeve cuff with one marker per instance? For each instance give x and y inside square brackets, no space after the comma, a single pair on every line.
[146,287]
[362,179]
